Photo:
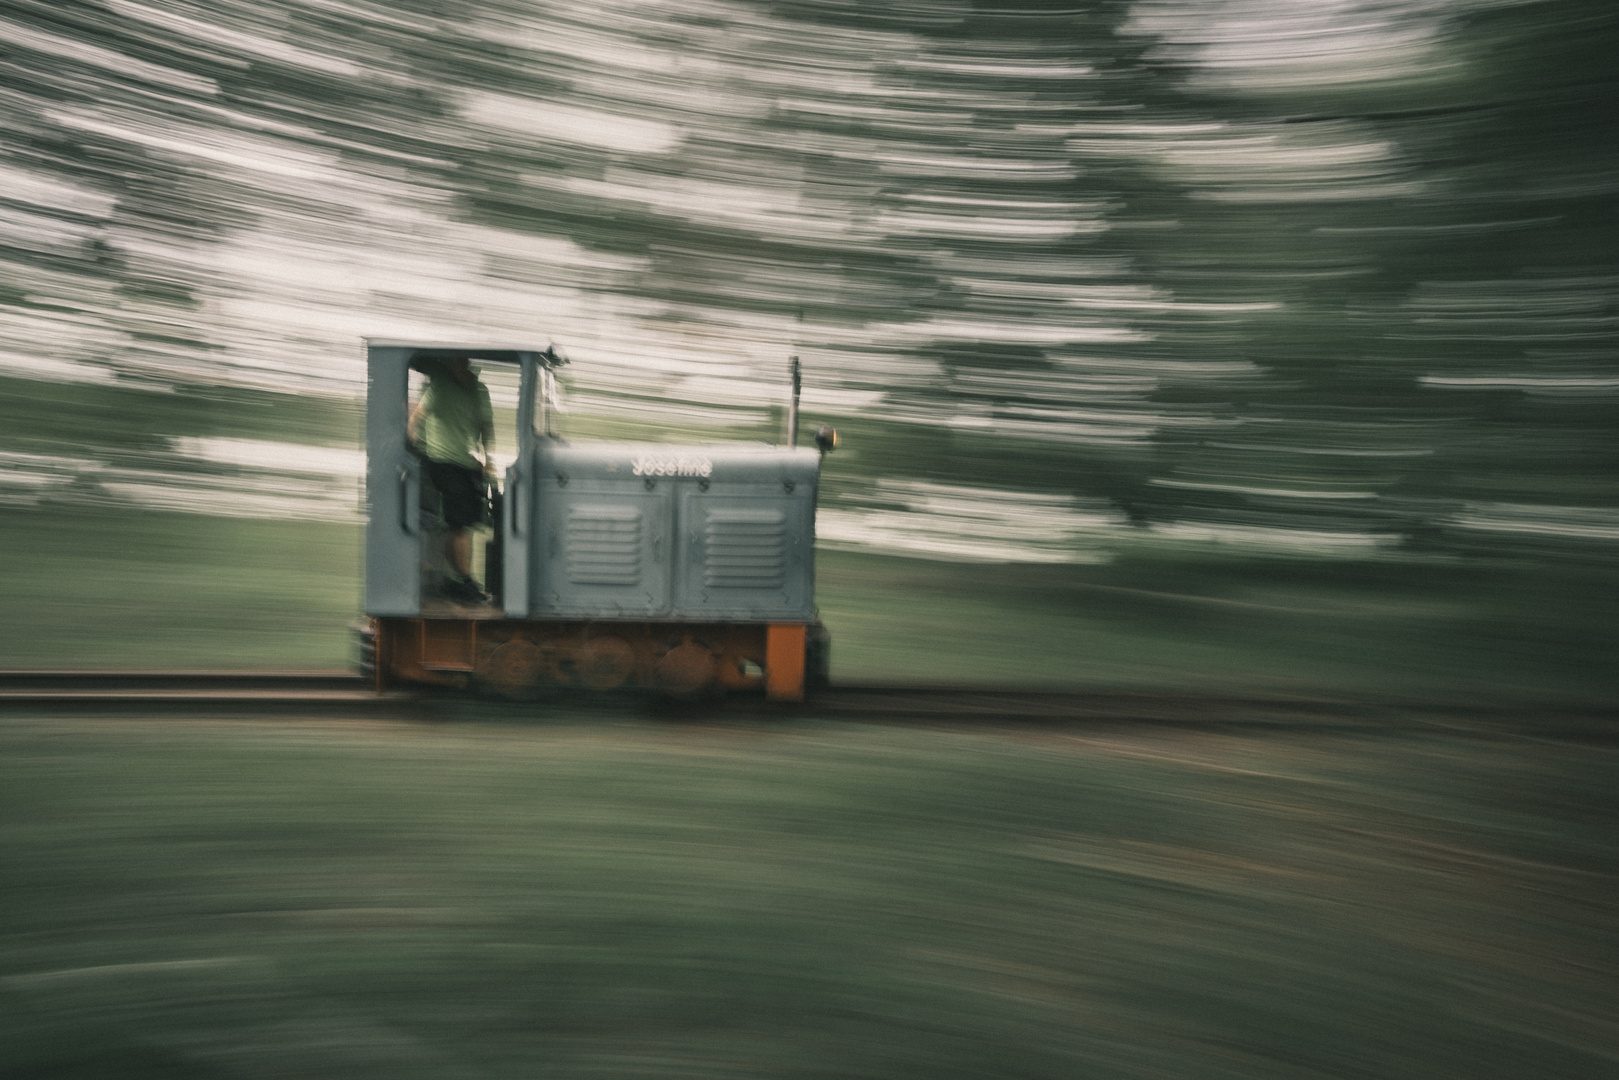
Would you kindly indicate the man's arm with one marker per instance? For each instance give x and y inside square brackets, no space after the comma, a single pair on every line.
[413,426]
[486,428]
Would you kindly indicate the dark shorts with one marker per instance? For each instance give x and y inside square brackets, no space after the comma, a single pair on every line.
[462,493]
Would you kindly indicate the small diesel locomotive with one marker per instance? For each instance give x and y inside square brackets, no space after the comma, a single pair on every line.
[686,569]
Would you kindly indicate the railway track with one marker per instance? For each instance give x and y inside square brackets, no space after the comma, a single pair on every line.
[326,690]
[337,694]
[230,690]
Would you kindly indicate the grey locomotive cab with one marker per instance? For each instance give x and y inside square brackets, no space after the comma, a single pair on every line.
[688,568]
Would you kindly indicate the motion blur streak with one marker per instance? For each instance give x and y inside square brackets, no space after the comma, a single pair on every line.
[1179,349]
[1340,273]
[481,901]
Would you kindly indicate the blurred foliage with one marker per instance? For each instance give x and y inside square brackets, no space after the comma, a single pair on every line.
[1241,265]
[1212,291]
[44,416]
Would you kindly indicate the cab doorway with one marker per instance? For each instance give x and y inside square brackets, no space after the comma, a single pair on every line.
[461,557]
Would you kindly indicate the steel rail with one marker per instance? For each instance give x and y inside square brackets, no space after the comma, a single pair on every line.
[875,699]
[234,691]
[334,693]
[14,683]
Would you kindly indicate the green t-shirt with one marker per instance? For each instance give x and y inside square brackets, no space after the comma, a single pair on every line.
[456,420]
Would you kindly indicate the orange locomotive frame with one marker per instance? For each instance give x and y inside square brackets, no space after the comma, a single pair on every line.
[518,657]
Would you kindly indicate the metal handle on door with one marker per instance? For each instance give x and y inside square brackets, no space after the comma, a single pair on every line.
[408,514]
[514,497]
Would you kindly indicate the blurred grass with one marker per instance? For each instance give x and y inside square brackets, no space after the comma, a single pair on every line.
[92,588]
[613,897]
[1165,619]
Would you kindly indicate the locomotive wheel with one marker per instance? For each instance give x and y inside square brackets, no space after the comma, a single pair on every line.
[605,663]
[515,668]
[686,669]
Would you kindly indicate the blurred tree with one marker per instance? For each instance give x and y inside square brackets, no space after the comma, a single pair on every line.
[1249,264]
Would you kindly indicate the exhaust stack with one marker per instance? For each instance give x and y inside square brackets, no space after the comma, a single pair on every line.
[792,409]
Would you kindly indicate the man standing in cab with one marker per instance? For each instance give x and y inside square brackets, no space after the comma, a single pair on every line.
[451,426]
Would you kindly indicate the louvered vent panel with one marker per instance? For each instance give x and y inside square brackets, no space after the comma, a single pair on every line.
[604,545]
[747,549]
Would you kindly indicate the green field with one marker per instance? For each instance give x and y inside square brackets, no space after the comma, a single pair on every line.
[91,588]
[144,589]
[612,896]
[1173,620]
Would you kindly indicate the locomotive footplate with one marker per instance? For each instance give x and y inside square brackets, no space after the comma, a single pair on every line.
[521,658]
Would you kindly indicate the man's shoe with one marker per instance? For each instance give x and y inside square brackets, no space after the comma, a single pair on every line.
[463,591]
